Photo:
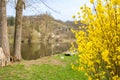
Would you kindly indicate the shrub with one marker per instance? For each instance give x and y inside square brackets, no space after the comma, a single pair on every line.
[99,40]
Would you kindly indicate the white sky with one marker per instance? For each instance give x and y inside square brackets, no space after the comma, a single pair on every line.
[65,8]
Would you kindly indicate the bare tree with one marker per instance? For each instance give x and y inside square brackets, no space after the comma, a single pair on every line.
[20,4]
[4,43]
[18,29]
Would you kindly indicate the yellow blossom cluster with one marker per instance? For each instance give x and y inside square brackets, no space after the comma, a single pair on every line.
[99,40]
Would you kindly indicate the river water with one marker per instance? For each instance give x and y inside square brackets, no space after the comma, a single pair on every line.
[37,50]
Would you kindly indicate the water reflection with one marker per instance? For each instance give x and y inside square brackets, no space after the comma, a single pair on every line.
[36,50]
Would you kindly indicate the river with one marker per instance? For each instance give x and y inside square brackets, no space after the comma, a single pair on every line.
[37,50]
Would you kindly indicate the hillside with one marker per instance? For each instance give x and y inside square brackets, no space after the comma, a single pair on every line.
[44,28]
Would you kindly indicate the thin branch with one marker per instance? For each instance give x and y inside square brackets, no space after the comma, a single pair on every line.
[49,7]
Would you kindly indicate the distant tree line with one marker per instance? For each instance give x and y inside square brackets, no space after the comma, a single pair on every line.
[10,21]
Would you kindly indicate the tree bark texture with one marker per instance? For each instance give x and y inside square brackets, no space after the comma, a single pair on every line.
[18,30]
[4,43]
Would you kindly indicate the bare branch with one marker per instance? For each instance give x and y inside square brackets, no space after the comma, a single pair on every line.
[49,7]
[24,4]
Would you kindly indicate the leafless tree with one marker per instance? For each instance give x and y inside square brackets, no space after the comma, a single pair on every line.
[18,29]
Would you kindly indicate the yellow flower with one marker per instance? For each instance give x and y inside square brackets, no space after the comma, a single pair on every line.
[98,61]
[76,22]
[105,56]
[73,16]
[92,1]
[103,72]
[118,57]
[115,77]
[98,39]
[90,78]
[118,49]
[108,67]
[90,63]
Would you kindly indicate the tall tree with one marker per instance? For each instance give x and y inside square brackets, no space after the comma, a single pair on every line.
[4,43]
[18,29]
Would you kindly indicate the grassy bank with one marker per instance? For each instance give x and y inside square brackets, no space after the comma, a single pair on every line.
[49,68]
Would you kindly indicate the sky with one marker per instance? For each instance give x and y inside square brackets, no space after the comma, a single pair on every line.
[61,9]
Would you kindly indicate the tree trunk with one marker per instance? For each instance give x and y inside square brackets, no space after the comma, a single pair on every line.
[18,30]
[4,43]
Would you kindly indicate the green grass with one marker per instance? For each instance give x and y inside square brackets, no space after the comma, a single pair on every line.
[43,71]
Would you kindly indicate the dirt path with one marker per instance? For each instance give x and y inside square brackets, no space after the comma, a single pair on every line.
[45,60]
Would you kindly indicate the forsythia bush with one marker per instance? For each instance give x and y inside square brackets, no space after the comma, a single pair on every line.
[99,40]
